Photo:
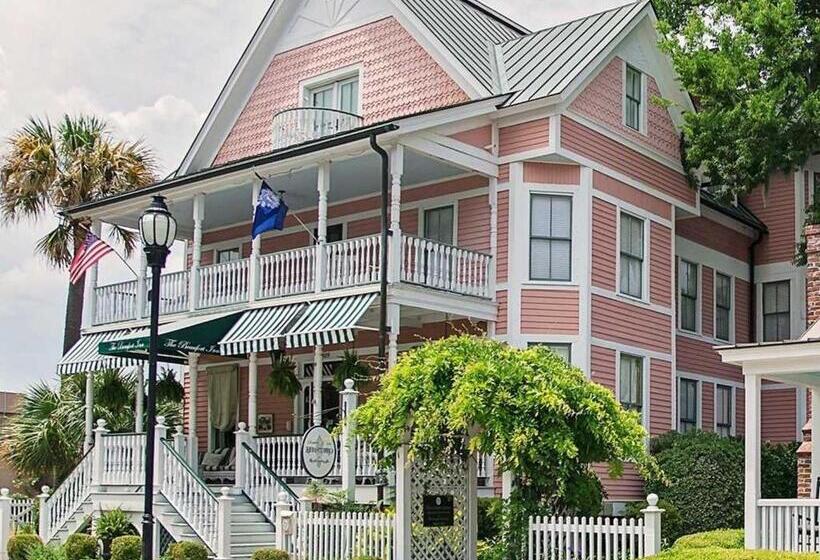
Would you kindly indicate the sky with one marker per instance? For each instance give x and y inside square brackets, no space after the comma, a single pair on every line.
[152,69]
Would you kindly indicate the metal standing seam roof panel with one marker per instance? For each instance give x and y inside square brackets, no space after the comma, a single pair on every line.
[466,32]
[546,62]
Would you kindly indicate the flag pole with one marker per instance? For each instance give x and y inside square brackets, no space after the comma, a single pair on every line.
[295,215]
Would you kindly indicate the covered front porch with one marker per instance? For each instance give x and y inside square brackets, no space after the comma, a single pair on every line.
[791,525]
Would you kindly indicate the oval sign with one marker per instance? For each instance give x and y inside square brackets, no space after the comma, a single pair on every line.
[318,452]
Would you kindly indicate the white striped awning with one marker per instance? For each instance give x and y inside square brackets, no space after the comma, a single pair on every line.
[84,356]
[330,321]
[260,330]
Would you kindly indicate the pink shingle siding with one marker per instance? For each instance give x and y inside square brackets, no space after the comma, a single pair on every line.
[593,145]
[473,217]
[399,78]
[779,415]
[697,356]
[602,362]
[630,324]
[549,312]
[741,311]
[604,243]
[503,235]
[603,101]
[660,396]
[524,137]
[708,300]
[715,236]
[777,211]
[660,264]
[481,137]
[708,407]
[552,173]
[501,320]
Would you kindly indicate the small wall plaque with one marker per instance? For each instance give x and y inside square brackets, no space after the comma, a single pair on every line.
[438,511]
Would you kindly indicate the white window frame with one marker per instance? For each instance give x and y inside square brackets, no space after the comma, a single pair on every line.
[644,265]
[335,79]
[642,113]
[423,209]
[698,301]
[732,310]
[644,382]
[551,344]
[698,404]
[220,249]
[762,306]
[733,401]
[573,237]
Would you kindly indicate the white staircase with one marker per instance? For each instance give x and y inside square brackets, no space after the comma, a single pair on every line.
[74,523]
[250,530]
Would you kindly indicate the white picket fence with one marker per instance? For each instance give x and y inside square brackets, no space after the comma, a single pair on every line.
[789,525]
[596,538]
[23,512]
[123,459]
[340,536]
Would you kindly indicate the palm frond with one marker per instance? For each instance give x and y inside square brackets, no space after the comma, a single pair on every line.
[57,246]
[125,237]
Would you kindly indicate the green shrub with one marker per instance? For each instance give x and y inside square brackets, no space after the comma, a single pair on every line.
[47,553]
[723,554]
[128,547]
[726,539]
[274,554]
[489,551]
[113,524]
[19,545]
[187,551]
[80,546]
[490,518]
[706,475]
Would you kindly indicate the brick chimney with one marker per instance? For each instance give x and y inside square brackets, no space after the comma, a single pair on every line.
[812,234]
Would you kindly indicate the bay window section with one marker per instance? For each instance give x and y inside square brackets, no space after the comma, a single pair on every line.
[550,237]
[632,255]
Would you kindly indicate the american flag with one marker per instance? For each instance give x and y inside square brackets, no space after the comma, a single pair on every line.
[88,254]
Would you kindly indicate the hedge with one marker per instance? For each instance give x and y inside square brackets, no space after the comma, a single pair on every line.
[128,547]
[187,550]
[19,546]
[722,545]
[80,546]
[270,554]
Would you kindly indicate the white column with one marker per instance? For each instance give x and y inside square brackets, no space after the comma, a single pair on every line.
[323,187]
[396,172]
[196,251]
[815,448]
[140,399]
[318,360]
[193,375]
[45,513]
[98,457]
[652,523]
[253,381]
[5,522]
[404,498]
[242,438]
[90,290]
[493,235]
[394,322]
[89,411]
[752,485]
[142,286]
[223,525]
[160,433]
[284,520]
[349,399]
[256,249]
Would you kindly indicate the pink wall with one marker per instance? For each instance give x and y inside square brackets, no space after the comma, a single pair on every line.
[549,312]
[597,147]
[398,78]
[604,244]
[660,396]
[501,322]
[603,101]
[602,366]
[708,300]
[523,137]
[660,265]
[552,173]
[715,236]
[630,324]
[503,235]
[779,415]
[622,191]
[479,137]
[742,311]
[697,356]
[777,211]
[708,407]
[473,217]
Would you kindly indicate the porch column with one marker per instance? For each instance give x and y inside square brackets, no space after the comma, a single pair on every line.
[253,379]
[88,442]
[140,399]
[90,295]
[493,235]
[815,447]
[253,276]
[322,186]
[394,322]
[193,373]
[396,172]
[752,489]
[142,286]
[196,251]
[318,362]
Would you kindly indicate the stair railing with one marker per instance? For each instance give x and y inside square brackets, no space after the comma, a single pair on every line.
[263,486]
[59,507]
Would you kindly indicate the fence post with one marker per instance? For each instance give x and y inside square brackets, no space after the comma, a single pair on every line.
[223,525]
[652,526]
[349,400]
[98,461]
[160,434]
[179,443]
[5,522]
[284,521]
[242,438]
[45,514]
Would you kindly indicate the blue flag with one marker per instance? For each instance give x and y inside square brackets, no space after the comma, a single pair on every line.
[270,212]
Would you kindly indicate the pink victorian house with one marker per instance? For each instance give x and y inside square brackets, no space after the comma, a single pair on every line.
[536,194]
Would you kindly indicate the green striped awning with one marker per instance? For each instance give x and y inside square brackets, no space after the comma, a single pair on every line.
[260,330]
[84,356]
[330,321]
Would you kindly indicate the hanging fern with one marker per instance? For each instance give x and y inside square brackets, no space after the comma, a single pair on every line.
[169,388]
[282,378]
[350,368]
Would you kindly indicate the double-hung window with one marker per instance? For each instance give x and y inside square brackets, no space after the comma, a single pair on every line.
[688,296]
[563,351]
[724,410]
[633,98]
[632,255]
[228,255]
[550,237]
[630,384]
[439,224]
[776,311]
[342,96]
[687,405]
[723,306]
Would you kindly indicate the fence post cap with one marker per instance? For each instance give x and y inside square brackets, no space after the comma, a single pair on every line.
[160,421]
[226,493]
[349,383]
[179,429]
[242,427]
[4,494]
[101,423]
[652,500]
[45,490]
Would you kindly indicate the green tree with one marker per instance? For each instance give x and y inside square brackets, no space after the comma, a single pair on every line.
[752,67]
[539,417]
[48,168]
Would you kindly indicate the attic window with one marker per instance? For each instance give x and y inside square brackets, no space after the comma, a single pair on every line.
[340,95]
[633,98]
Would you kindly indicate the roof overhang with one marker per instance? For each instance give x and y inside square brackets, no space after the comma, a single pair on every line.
[795,362]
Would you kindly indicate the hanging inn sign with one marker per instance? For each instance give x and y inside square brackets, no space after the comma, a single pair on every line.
[318,452]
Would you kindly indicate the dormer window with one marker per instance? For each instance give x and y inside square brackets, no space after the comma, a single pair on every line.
[633,99]
[340,95]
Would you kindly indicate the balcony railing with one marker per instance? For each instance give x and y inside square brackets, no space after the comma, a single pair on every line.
[345,264]
[304,124]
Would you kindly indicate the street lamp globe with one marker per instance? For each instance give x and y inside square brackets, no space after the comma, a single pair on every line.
[158,229]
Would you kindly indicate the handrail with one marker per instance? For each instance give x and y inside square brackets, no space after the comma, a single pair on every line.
[187,467]
[288,490]
[323,109]
[69,496]
[298,125]
[447,245]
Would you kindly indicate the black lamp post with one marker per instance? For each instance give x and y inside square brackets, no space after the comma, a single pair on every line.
[158,230]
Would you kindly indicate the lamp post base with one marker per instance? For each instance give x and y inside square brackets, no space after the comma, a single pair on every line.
[147,536]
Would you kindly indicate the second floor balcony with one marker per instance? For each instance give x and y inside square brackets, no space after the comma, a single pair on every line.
[334,266]
[305,124]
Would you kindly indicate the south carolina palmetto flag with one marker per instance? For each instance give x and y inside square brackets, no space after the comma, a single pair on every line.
[87,255]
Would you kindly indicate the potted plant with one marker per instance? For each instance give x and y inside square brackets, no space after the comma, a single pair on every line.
[351,367]
[282,378]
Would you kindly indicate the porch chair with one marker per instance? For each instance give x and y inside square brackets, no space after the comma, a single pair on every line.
[219,466]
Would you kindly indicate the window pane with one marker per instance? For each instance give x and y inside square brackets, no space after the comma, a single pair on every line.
[687,405]
[631,382]
[688,314]
[540,259]
[722,324]
[776,311]
[323,98]
[541,216]
[561,217]
[560,260]
[550,233]
[438,225]
[349,96]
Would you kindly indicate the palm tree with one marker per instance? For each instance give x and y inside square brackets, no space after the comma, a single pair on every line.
[49,168]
